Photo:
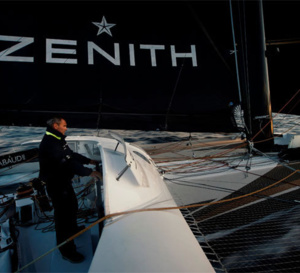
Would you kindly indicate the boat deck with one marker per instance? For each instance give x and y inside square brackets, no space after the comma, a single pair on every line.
[30,248]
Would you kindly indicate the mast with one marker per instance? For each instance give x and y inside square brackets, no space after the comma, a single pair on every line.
[254,77]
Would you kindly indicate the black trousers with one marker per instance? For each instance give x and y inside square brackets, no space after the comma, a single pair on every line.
[65,206]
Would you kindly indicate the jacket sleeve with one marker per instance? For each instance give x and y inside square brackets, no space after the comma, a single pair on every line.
[66,159]
[82,159]
[78,168]
[75,162]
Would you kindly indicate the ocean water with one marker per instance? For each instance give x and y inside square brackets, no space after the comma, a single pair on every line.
[13,136]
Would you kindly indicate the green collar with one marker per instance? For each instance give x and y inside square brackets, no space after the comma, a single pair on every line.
[50,134]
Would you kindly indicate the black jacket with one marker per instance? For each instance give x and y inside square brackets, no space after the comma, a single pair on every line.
[58,163]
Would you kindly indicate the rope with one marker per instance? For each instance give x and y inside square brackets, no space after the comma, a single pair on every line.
[275,115]
[235,53]
[151,210]
[173,94]
[213,156]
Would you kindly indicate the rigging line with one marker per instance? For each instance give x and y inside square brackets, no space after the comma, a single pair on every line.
[277,124]
[275,115]
[116,214]
[197,169]
[283,42]
[187,183]
[201,168]
[267,177]
[277,161]
[204,147]
[213,156]
[173,94]
[194,167]
[5,51]
[293,107]
[71,52]
[235,53]
[244,56]
[246,46]
[200,24]
[179,147]
[166,147]
[200,165]
[274,137]
[221,163]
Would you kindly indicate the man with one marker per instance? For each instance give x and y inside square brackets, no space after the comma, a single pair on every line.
[58,165]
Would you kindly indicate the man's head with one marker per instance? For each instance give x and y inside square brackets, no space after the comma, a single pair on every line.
[58,124]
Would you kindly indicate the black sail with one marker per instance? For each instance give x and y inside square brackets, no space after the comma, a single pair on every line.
[131,65]
[148,65]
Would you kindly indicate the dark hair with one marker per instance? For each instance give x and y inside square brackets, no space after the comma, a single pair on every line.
[54,120]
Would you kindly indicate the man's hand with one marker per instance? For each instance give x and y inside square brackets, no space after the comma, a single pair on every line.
[96,174]
[94,162]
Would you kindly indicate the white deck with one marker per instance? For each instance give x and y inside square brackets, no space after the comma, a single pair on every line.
[34,243]
[159,241]
[149,242]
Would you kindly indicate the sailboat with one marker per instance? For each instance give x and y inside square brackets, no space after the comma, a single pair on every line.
[188,214]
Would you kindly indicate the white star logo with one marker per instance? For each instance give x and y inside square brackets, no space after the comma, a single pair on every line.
[104,26]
